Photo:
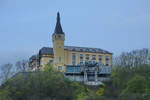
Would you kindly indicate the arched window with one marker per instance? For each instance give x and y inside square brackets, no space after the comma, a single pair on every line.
[59,59]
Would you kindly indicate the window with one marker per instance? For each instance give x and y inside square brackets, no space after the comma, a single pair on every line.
[59,36]
[59,59]
[81,61]
[93,57]
[73,58]
[59,67]
[93,62]
[100,59]
[51,61]
[69,69]
[81,56]
[87,56]
[107,60]
[73,69]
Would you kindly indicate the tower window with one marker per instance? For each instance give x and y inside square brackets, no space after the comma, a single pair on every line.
[59,36]
[59,59]
[73,58]
[59,67]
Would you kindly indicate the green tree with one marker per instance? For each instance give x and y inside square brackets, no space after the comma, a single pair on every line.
[137,84]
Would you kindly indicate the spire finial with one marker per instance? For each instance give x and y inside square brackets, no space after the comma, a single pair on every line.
[58,16]
[58,28]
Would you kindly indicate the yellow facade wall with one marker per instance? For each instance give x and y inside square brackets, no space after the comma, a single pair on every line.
[45,59]
[68,57]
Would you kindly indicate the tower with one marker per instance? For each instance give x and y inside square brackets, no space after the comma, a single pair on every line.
[58,45]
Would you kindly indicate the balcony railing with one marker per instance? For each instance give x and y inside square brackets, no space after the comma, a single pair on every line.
[79,69]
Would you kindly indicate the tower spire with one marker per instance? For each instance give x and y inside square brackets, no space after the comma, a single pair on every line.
[58,28]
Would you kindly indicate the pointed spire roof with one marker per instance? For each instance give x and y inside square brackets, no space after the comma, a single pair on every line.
[58,28]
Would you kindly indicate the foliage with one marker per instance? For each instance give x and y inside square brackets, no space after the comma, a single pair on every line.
[137,84]
[6,71]
[46,85]
[100,91]
[129,84]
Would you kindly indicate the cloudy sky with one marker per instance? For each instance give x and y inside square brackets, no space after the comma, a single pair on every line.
[114,25]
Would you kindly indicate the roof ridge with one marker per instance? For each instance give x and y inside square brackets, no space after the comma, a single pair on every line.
[87,49]
[84,47]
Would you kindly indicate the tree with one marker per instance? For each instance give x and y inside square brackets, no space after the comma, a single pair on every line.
[42,85]
[137,84]
[6,71]
[133,58]
[22,66]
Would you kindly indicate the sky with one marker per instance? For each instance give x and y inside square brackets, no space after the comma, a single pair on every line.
[114,25]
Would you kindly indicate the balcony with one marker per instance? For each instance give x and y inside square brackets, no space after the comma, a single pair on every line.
[73,69]
[104,70]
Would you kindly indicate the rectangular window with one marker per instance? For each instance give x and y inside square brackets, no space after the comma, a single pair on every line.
[73,58]
[51,61]
[107,60]
[81,61]
[93,57]
[81,56]
[87,56]
[106,57]
[59,67]
[100,59]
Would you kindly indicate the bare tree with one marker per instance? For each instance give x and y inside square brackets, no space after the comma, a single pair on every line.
[6,71]
[22,66]
[133,58]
